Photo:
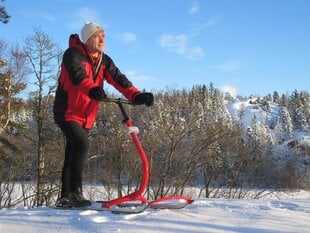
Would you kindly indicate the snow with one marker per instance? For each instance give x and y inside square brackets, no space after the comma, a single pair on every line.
[275,213]
[249,110]
[287,214]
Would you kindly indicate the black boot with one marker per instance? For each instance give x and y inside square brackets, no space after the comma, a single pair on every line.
[64,201]
[73,199]
[77,199]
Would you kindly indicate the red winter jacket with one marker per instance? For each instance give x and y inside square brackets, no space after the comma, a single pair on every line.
[72,102]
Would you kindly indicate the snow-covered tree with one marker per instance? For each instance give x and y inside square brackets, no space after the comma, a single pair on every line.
[276,97]
[285,121]
[299,108]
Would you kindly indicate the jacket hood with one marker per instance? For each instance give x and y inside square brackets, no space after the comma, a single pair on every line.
[75,42]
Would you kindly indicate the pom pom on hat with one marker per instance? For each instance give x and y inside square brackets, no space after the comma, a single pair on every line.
[89,29]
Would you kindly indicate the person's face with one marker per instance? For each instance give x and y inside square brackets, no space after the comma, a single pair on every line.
[96,43]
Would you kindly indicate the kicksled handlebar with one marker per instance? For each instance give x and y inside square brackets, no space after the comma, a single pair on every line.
[118,101]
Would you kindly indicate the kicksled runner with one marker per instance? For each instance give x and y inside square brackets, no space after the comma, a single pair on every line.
[135,202]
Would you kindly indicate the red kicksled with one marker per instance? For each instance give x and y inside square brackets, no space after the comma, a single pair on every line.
[137,198]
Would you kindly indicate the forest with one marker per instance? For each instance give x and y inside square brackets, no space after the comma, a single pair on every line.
[190,137]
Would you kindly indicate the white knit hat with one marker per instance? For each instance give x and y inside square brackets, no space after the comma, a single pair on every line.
[89,29]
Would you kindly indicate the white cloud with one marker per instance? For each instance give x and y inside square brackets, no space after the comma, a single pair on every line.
[194,9]
[228,66]
[87,14]
[82,15]
[39,15]
[48,17]
[128,37]
[197,28]
[179,45]
[211,22]
[230,89]
[136,76]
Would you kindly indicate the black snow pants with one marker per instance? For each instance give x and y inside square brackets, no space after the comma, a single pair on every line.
[77,143]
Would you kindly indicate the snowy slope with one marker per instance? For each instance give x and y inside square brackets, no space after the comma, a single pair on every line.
[244,111]
[204,215]
[268,116]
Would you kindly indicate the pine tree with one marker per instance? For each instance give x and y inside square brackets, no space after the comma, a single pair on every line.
[12,73]
[4,16]
[276,97]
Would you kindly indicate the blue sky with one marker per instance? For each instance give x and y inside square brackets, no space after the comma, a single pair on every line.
[242,46]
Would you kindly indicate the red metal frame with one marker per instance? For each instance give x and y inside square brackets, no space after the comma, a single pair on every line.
[138,194]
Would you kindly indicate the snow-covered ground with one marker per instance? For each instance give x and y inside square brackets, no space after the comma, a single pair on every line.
[288,214]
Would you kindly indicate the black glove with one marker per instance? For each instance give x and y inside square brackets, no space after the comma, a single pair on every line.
[146,98]
[97,93]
